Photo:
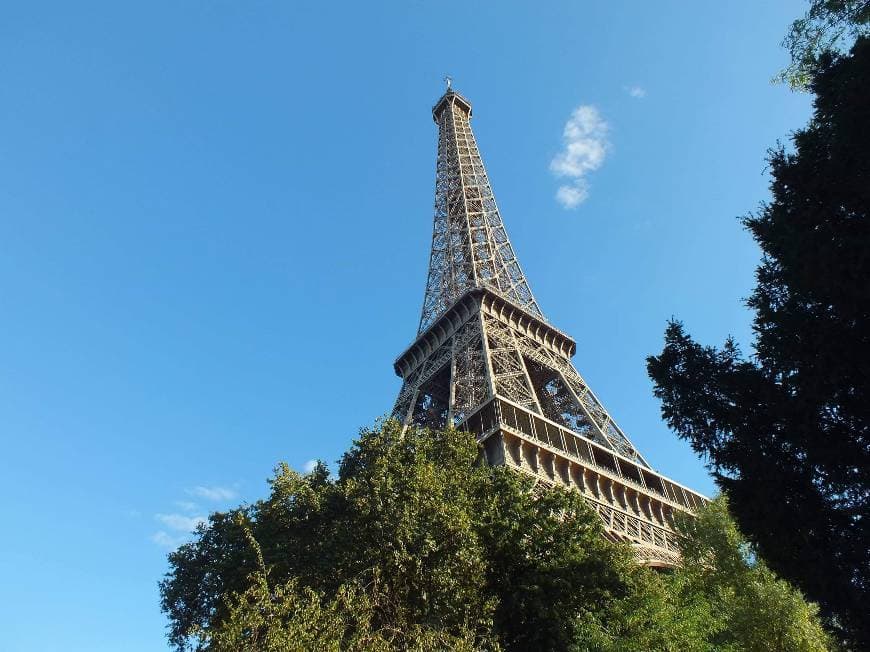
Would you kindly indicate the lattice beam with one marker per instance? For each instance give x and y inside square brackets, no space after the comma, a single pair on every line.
[470,247]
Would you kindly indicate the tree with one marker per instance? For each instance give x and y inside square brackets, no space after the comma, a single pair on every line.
[828,26]
[722,597]
[414,546]
[393,527]
[290,618]
[755,609]
[418,534]
[787,432]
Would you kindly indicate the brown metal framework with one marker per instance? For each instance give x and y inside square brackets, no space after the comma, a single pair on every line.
[486,359]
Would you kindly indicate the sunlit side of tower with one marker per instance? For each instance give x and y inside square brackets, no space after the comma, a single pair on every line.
[486,359]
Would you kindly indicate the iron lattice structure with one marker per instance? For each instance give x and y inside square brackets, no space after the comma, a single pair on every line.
[487,360]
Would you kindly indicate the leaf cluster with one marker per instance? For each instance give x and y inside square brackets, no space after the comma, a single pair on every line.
[828,27]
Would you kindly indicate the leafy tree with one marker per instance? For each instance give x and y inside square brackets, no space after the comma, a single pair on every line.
[652,616]
[787,432]
[721,598]
[393,521]
[290,618]
[411,522]
[755,610]
[828,26]
[415,547]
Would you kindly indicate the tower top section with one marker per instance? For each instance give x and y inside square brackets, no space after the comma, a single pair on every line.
[470,247]
[454,99]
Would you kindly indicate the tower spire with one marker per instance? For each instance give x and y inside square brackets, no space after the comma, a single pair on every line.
[486,360]
[470,247]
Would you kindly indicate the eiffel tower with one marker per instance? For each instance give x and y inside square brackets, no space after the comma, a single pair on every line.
[486,360]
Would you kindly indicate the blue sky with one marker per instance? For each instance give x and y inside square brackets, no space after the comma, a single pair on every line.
[214,230]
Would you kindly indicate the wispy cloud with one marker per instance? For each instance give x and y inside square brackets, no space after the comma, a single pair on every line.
[213,493]
[180,522]
[308,467]
[180,527]
[574,195]
[637,92]
[585,147]
[169,541]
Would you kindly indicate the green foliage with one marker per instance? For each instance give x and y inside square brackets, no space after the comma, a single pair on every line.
[394,522]
[755,610]
[652,615]
[548,564]
[829,26]
[416,547]
[787,433]
[291,618]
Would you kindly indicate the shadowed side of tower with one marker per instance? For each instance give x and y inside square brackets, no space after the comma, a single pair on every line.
[485,359]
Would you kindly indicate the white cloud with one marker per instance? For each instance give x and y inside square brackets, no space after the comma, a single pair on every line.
[572,196]
[180,525]
[180,522]
[167,540]
[638,92]
[308,467]
[213,493]
[585,147]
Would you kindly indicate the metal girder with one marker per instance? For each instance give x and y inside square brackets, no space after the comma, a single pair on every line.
[470,247]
